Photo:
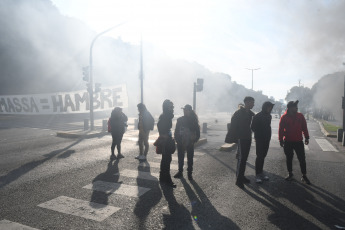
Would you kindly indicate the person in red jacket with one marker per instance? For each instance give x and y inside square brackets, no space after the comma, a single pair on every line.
[292,127]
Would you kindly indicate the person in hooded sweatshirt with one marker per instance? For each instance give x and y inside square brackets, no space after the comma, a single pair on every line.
[292,127]
[164,129]
[261,126]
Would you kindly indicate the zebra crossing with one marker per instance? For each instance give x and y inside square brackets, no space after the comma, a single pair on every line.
[322,143]
[96,211]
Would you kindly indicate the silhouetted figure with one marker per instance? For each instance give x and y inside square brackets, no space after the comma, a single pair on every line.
[166,141]
[145,124]
[187,132]
[261,126]
[241,133]
[118,125]
[292,126]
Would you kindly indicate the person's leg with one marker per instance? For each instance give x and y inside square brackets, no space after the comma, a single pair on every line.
[112,148]
[288,150]
[140,142]
[242,161]
[146,142]
[301,156]
[180,156]
[118,145]
[259,162]
[190,156]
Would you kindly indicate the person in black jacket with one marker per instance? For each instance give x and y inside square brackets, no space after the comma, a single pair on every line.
[187,132]
[164,129]
[118,125]
[145,124]
[261,126]
[241,133]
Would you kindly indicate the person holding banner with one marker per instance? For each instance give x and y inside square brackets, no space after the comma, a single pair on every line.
[118,124]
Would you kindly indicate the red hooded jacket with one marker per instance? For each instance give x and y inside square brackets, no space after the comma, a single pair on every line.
[291,127]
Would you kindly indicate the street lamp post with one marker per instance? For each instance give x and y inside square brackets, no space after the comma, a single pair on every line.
[252,75]
[91,74]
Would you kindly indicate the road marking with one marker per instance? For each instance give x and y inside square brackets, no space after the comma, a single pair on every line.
[139,174]
[158,165]
[326,146]
[6,225]
[117,188]
[81,208]
[175,158]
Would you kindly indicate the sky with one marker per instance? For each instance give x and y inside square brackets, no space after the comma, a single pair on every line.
[291,43]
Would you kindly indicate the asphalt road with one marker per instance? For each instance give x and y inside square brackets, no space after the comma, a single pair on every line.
[48,182]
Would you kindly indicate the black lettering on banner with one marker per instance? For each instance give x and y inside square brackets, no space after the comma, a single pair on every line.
[3,105]
[33,105]
[105,97]
[68,103]
[10,106]
[95,100]
[25,104]
[18,105]
[56,103]
[79,99]
[116,97]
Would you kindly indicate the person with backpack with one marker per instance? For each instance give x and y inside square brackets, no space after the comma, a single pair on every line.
[241,133]
[292,127]
[145,124]
[187,132]
[261,126]
[166,144]
[118,123]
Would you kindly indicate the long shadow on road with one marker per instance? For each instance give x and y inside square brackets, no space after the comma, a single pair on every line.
[18,172]
[299,206]
[203,212]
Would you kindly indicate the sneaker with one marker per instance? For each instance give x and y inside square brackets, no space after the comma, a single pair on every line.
[289,177]
[266,178]
[120,156]
[178,175]
[112,157]
[258,179]
[142,157]
[246,180]
[137,157]
[305,179]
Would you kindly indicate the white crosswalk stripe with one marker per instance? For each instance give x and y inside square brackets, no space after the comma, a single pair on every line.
[9,225]
[81,208]
[158,165]
[117,188]
[140,174]
[325,145]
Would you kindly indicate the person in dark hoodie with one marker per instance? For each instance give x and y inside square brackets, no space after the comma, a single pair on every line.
[241,133]
[292,126]
[187,132]
[118,126]
[261,126]
[168,144]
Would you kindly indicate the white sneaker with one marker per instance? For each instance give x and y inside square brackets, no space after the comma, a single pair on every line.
[265,178]
[137,157]
[258,180]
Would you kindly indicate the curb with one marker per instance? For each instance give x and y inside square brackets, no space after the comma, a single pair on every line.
[201,141]
[323,130]
[81,134]
[228,147]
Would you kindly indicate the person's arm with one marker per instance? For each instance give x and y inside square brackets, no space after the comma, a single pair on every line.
[197,132]
[281,131]
[177,134]
[305,130]
[254,125]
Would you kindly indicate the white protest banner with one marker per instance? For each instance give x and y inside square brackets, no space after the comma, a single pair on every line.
[65,102]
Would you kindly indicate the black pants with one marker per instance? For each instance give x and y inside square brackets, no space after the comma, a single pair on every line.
[190,155]
[164,175]
[261,152]
[244,148]
[117,138]
[289,147]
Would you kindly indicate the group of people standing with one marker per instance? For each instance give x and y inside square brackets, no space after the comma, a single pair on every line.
[292,127]
[187,132]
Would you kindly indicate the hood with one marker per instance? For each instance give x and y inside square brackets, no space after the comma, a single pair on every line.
[266,105]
